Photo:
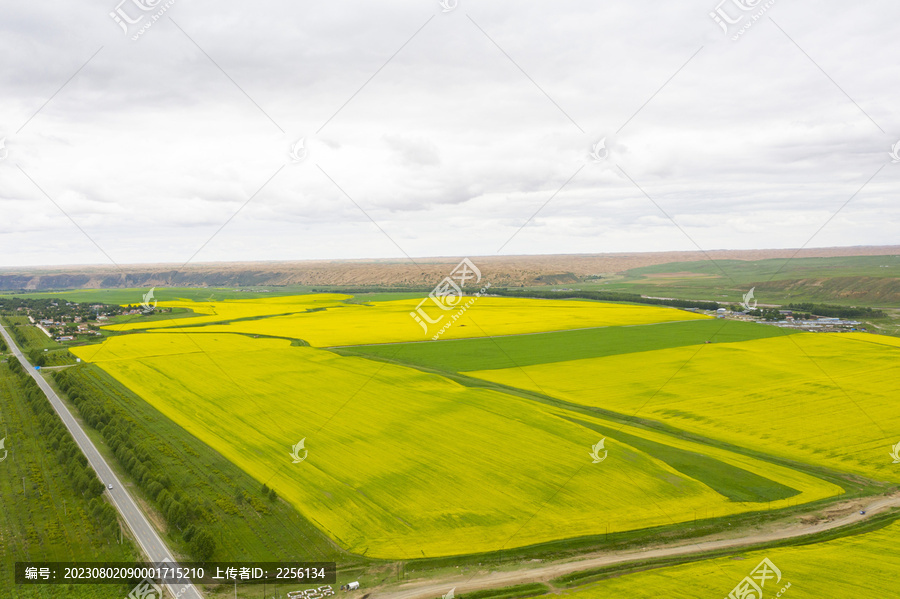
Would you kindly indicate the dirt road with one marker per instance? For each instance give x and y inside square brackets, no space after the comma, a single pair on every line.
[433,588]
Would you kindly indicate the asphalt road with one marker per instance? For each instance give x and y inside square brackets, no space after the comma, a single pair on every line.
[153,546]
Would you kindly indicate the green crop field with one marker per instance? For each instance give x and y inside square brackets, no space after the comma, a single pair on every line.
[526,350]
[33,338]
[382,489]
[450,299]
[825,399]
[372,493]
[42,517]
[433,453]
[381,499]
[854,280]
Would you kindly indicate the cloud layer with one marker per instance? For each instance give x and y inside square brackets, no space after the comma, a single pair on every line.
[429,133]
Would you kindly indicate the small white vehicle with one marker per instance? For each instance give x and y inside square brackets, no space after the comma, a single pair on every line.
[109,486]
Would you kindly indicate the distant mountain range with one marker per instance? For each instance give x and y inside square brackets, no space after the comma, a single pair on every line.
[503,270]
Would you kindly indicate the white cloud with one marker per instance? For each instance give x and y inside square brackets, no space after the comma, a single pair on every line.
[448,146]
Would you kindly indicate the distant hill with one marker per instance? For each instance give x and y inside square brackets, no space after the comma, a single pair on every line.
[508,271]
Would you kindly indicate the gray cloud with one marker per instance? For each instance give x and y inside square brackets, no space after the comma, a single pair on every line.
[448,145]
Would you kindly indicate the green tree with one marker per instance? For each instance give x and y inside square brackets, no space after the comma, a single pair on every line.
[202,546]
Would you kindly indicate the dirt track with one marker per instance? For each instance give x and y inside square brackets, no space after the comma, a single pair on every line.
[432,588]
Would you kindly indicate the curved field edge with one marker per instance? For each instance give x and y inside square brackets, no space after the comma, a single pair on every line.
[175,442]
[659,438]
[731,481]
[791,396]
[858,561]
[337,472]
[516,351]
[226,311]
[255,454]
[543,551]
[674,574]
[389,321]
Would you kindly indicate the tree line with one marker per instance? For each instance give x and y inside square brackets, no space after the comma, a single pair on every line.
[605,296]
[120,434]
[54,433]
[17,334]
[832,311]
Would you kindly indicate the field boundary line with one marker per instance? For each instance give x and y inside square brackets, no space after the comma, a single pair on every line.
[547,572]
[486,336]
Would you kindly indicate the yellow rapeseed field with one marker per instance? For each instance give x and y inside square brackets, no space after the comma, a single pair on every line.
[386,322]
[856,566]
[824,399]
[402,463]
[224,310]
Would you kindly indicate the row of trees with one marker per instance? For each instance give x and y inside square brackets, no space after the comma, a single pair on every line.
[54,433]
[136,458]
[807,310]
[17,334]
[606,296]
[36,356]
[833,311]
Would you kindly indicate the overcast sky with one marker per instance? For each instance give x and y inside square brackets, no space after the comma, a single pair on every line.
[433,133]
